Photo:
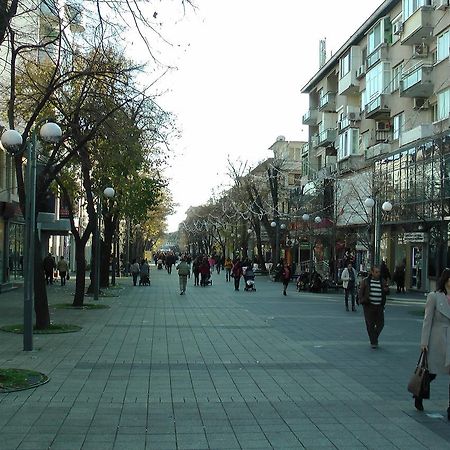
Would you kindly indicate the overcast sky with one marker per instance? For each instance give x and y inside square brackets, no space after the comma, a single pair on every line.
[240,67]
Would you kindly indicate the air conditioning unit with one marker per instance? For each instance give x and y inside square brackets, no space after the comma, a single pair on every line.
[397,27]
[420,51]
[383,126]
[353,116]
[361,71]
[420,104]
[442,4]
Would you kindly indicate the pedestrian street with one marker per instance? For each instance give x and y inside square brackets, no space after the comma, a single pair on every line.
[219,369]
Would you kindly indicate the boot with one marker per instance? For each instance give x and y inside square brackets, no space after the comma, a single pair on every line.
[418,403]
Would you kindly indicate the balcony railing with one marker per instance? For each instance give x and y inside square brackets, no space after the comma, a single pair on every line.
[327,137]
[417,82]
[381,54]
[377,107]
[328,102]
[310,117]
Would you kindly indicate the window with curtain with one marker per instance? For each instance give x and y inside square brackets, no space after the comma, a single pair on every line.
[443,46]
[443,104]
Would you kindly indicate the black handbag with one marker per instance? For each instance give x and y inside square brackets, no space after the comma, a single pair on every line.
[419,384]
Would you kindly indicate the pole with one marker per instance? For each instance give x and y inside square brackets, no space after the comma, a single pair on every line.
[97,252]
[277,241]
[29,251]
[113,266]
[377,233]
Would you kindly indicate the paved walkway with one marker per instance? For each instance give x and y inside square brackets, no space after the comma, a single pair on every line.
[219,369]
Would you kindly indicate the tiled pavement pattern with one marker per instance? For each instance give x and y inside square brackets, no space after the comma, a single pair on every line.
[218,369]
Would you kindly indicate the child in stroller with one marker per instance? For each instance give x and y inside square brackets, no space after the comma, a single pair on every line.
[249,279]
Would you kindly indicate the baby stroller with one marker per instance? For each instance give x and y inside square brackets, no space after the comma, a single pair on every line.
[303,281]
[249,279]
[159,264]
[144,280]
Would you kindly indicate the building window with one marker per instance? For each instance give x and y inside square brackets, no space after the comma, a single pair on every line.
[348,143]
[377,80]
[443,104]
[398,123]
[345,65]
[375,38]
[396,77]
[411,6]
[443,46]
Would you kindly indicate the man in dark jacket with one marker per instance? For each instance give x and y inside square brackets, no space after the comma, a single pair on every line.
[49,264]
[372,295]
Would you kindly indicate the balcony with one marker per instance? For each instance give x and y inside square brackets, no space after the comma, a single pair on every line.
[310,117]
[305,149]
[418,28]
[421,132]
[378,149]
[326,137]
[417,82]
[350,164]
[349,121]
[381,54]
[377,108]
[327,103]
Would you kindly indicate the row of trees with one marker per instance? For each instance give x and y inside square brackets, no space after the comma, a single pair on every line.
[114,132]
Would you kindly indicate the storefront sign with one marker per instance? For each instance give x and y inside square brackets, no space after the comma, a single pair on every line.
[414,237]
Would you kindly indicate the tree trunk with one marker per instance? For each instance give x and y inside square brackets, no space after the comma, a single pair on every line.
[80,281]
[40,288]
[106,251]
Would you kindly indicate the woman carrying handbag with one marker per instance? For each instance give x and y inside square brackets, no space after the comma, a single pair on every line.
[435,339]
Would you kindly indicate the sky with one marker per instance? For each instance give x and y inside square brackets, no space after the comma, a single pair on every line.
[240,66]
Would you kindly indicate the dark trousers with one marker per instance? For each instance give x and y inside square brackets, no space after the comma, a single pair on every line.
[227,274]
[374,315]
[196,279]
[49,276]
[285,285]
[237,280]
[350,291]
[63,278]
[135,277]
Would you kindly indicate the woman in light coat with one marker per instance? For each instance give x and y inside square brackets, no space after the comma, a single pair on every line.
[435,335]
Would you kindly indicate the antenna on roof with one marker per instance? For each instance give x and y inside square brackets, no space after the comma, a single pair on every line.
[322,52]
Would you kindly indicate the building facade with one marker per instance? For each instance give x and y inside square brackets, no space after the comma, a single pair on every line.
[378,124]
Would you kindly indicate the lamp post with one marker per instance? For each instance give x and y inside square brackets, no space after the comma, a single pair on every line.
[377,209]
[108,193]
[306,218]
[12,141]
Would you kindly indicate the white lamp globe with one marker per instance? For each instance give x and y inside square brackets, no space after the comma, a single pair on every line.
[369,202]
[273,224]
[283,226]
[11,140]
[50,132]
[249,230]
[305,217]
[109,192]
[317,219]
[386,206]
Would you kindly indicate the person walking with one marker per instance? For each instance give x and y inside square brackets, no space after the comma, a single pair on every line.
[236,273]
[434,339]
[348,278]
[170,261]
[372,295]
[228,265]
[62,268]
[183,272]
[196,270]
[205,272]
[144,271]
[49,266]
[285,276]
[135,270]
[399,277]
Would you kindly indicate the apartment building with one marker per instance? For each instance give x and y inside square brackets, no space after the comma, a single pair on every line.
[378,124]
[37,22]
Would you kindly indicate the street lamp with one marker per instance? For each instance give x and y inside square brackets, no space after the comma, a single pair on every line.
[12,142]
[376,208]
[108,193]
[276,225]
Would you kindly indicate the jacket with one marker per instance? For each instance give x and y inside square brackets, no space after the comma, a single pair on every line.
[62,265]
[183,269]
[364,291]
[345,277]
[436,332]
